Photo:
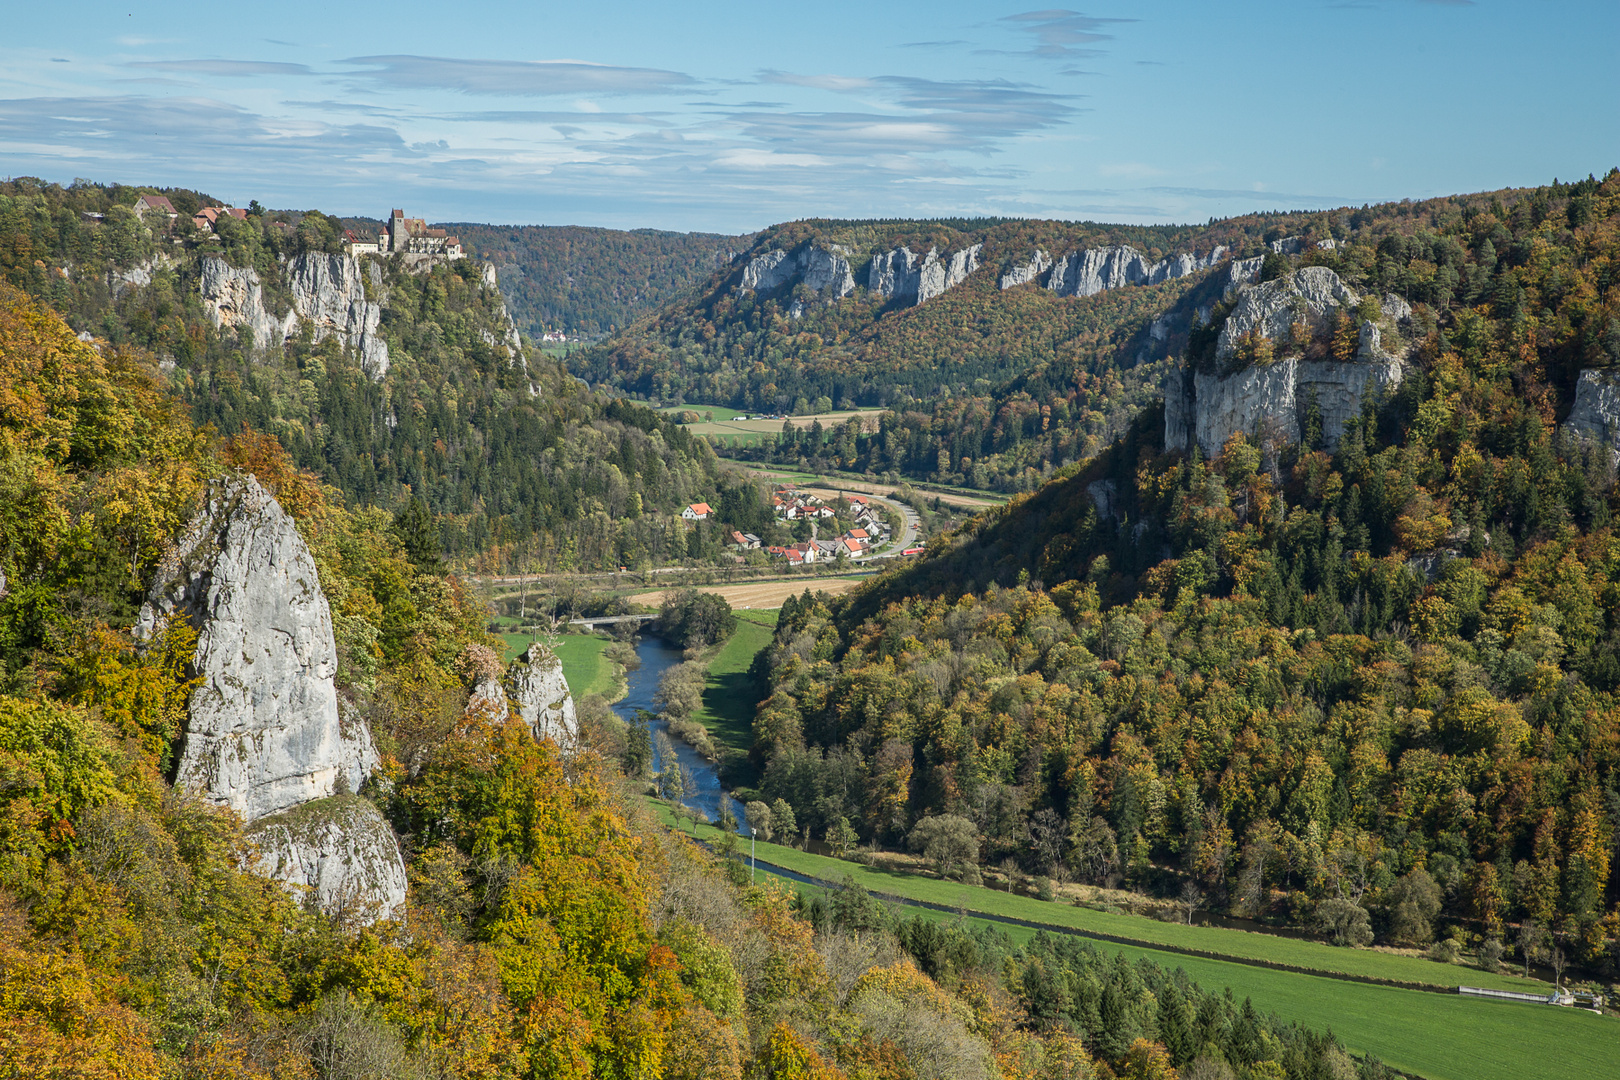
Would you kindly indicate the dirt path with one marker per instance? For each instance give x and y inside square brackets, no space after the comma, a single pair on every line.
[761,595]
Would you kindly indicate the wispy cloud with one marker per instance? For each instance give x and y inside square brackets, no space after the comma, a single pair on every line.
[914,115]
[1061,34]
[516,78]
[228,68]
[128,129]
[1254,196]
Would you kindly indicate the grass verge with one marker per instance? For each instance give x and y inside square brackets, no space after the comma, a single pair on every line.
[1238,944]
[1435,1036]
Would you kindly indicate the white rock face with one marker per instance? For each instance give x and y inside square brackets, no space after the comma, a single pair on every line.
[536,686]
[1288,245]
[1243,272]
[902,274]
[488,699]
[1596,414]
[338,851]
[1307,295]
[1095,270]
[232,297]
[264,733]
[767,271]
[826,271]
[1272,401]
[1023,273]
[329,291]
[935,276]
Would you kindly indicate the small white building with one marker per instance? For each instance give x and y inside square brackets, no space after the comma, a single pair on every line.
[697,512]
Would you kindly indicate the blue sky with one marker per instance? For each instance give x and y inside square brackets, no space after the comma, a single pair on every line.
[731,116]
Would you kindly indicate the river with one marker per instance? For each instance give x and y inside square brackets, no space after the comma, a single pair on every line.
[658,656]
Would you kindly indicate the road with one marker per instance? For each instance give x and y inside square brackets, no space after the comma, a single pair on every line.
[909,535]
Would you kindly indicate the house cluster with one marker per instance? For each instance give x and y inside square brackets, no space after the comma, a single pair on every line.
[158,206]
[410,236]
[791,505]
[870,531]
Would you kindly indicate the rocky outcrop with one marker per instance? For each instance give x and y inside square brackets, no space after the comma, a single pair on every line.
[488,700]
[264,733]
[1596,415]
[825,270]
[1272,309]
[329,292]
[233,298]
[1095,270]
[1024,273]
[903,275]
[536,686]
[1273,401]
[339,852]
[122,280]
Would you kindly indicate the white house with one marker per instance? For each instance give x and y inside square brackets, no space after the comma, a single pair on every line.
[697,512]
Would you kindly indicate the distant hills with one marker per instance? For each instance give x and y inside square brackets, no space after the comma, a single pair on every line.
[589,282]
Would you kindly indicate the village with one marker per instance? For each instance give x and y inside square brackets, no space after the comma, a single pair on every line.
[867,533]
[397,235]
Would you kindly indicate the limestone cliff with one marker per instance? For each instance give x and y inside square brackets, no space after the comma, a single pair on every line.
[233,297]
[1274,400]
[1596,415]
[1023,273]
[264,733]
[826,270]
[1095,270]
[536,686]
[330,293]
[902,274]
[340,852]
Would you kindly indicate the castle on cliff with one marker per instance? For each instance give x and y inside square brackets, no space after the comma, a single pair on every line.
[410,236]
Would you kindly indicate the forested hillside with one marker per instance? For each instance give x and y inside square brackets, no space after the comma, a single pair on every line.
[996,388]
[520,463]
[552,928]
[589,282]
[1375,692]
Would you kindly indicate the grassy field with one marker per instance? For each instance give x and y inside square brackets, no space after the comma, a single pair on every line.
[1437,1036]
[728,696]
[719,412]
[1236,943]
[760,596]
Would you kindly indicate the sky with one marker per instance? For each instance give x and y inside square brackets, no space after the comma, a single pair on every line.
[728,117]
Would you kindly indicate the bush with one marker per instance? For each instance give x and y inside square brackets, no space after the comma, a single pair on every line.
[1345,922]
[692,619]
[1489,955]
[951,844]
